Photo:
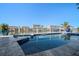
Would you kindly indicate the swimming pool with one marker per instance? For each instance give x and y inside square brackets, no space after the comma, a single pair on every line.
[42,43]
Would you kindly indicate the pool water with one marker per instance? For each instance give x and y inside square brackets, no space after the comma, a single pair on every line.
[42,43]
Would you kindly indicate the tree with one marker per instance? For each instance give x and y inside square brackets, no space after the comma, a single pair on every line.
[0,29]
[65,25]
[4,29]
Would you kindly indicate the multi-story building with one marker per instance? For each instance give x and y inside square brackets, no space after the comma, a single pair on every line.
[45,29]
[13,30]
[74,29]
[24,30]
[19,30]
[55,28]
[37,28]
[50,28]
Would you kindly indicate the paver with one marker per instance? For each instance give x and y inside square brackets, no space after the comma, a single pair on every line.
[9,47]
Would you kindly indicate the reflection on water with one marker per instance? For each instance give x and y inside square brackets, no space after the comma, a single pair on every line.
[52,37]
[42,43]
[66,37]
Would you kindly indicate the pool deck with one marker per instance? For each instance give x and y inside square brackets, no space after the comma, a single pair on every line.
[9,47]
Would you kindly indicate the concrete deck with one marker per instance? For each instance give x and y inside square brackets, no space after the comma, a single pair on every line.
[9,47]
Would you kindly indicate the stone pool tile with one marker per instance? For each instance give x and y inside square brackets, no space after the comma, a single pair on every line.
[74,46]
[66,50]
[4,42]
[2,51]
[43,53]
[76,53]
[14,50]
[63,51]
[10,47]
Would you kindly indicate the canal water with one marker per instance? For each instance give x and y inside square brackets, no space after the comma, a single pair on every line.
[42,43]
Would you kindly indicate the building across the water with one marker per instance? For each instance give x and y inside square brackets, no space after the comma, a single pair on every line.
[19,30]
[13,30]
[37,29]
[55,28]
[25,29]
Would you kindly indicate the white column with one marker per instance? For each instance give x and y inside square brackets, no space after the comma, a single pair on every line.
[19,30]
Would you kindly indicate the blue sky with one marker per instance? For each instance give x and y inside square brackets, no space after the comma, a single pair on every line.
[34,13]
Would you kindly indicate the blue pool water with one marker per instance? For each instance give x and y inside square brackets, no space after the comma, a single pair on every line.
[42,43]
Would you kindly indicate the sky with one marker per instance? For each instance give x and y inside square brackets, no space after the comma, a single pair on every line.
[26,14]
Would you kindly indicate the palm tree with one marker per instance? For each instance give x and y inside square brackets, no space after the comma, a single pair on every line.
[65,25]
[0,29]
[4,29]
[78,29]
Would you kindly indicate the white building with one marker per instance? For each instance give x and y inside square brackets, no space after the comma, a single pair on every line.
[55,28]
[37,28]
